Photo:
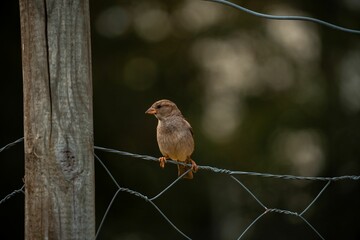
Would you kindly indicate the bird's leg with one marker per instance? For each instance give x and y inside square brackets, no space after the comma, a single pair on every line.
[194,166]
[162,161]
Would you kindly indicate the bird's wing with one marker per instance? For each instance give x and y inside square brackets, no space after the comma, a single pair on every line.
[191,130]
[189,127]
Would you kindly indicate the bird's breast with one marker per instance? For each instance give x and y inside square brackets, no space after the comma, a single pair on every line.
[175,140]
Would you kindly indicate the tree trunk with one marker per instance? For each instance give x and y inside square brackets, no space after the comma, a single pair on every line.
[58,125]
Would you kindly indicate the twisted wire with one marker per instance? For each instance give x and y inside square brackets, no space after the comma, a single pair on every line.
[9,145]
[135,193]
[275,17]
[230,173]
[13,193]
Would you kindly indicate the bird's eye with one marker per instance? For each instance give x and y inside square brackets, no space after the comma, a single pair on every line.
[158,106]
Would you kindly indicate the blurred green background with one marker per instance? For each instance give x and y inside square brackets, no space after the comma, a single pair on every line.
[266,96]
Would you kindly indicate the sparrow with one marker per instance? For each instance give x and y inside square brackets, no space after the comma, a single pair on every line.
[174,136]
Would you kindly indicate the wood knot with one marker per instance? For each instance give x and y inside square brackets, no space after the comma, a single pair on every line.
[66,158]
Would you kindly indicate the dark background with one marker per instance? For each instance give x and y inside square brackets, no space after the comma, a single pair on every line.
[264,96]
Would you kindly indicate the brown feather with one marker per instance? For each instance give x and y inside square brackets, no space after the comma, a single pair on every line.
[174,134]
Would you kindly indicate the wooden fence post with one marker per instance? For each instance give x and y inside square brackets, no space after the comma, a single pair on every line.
[58,124]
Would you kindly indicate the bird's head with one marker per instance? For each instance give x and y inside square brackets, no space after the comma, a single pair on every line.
[163,109]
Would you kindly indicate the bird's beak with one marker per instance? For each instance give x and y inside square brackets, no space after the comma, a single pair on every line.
[151,111]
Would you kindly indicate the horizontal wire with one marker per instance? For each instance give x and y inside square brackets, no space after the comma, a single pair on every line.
[209,168]
[230,172]
[275,17]
[213,169]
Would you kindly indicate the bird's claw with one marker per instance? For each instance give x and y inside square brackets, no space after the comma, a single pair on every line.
[162,161]
[194,166]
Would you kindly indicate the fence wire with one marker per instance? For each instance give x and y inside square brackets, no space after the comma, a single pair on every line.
[275,17]
[232,174]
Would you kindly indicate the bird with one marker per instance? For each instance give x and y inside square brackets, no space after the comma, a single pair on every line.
[174,136]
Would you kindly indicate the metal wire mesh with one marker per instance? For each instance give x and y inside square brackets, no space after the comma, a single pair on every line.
[232,174]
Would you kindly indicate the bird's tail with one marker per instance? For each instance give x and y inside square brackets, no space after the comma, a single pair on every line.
[182,169]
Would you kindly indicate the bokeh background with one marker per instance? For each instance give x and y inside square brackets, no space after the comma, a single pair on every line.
[266,96]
